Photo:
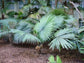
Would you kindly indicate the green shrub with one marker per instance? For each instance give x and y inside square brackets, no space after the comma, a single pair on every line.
[59,12]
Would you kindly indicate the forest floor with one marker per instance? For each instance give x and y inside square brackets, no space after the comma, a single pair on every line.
[13,54]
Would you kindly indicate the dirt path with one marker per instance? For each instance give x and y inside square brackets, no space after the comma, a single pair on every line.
[13,54]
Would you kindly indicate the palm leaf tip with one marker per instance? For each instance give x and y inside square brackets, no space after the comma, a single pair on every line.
[62,32]
[58,43]
[30,38]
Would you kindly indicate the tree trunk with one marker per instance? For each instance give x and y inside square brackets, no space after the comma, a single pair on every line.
[56,1]
[29,1]
[48,3]
[2,9]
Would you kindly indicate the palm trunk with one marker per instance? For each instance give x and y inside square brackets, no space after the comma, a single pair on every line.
[29,1]
[2,9]
[48,2]
[56,1]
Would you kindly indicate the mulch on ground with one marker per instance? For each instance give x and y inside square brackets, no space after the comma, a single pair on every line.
[13,54]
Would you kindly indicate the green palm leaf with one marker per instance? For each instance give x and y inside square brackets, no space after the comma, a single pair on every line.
[81,29]
[59,20]
[45,27]
[62,32]
[63,39]
[71,19]
[8,23]
[22,37]
[25,26]
[4,33]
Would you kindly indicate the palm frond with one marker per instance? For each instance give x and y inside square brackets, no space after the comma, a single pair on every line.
[81,29]
[22,37]
[63,39]
[82,50]
[71,19]
[25,26]
[59,20]
[45,27]
[4,33]
[8,23]
[63,32]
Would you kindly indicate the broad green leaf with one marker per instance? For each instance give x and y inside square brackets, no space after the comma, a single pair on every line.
[51,59]
[58,59]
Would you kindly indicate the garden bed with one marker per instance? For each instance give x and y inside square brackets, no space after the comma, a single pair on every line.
[14,54]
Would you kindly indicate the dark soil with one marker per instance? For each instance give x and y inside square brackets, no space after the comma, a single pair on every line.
[13,54]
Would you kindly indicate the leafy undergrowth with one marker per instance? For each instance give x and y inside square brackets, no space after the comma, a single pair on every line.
[14,54]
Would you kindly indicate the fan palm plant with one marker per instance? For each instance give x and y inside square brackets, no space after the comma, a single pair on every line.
[50,24]
[45,27]
[21,31]
[63,38]
[24,32]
